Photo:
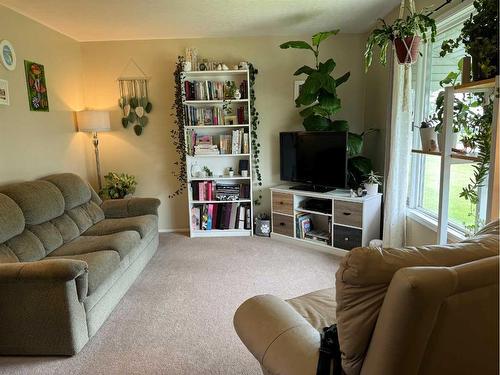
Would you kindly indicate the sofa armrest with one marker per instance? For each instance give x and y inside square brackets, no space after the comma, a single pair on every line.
[119,208]
[48,270]
[41,307]
[278,337]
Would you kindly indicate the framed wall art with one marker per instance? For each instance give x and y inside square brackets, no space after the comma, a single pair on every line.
[4,92]
[37,86]
[8,55]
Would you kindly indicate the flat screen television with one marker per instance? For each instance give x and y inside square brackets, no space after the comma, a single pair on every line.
[317,159]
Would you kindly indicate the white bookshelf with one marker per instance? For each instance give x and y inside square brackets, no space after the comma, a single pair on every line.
[219,163]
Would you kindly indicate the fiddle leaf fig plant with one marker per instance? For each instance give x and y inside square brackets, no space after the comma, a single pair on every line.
[319,91]
[318,96]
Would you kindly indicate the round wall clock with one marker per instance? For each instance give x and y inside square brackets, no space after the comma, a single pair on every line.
[7,55]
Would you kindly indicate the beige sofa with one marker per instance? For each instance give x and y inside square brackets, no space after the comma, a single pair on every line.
[428,310]
[66,259]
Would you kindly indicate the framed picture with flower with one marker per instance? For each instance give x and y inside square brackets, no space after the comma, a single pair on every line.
[37,87]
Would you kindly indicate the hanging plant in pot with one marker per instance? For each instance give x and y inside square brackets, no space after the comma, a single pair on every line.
[406,34]
[479,36]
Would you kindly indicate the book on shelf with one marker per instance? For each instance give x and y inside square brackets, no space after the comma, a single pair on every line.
[209,190]
[242,115]
[206,90]
[235,143]
[244,89]
[303,224]
[220,216]
[204,116]
[319,235]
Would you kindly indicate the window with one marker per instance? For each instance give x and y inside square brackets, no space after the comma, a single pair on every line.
[423,192]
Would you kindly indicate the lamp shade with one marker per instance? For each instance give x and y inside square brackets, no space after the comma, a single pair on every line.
[93,121]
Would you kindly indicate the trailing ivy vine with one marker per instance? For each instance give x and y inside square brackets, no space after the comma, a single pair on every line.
[255,142]
[177,134]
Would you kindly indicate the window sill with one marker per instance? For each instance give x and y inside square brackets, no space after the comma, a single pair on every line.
[431,223]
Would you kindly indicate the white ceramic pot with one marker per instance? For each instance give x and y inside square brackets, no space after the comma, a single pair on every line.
[454,140]
[371,189]
[428,137]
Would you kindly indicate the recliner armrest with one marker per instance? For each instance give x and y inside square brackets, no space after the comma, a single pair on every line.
[120,208]
[279,337]
[48,270]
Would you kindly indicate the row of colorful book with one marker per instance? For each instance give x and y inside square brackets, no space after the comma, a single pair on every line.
[202,116]
[220,216]
[235,143]
[210,190]
[213,90]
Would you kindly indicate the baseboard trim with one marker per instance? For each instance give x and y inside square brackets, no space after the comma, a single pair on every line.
[174,230]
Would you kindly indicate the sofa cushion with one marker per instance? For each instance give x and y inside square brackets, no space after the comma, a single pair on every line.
[40,201]
[365,274]
[26,246]
[48,234]
[74,190]
[67,227]
[7,255]
[101,264]
[144,225]
[318,308]
[11,218]
[86,215]
[123,243]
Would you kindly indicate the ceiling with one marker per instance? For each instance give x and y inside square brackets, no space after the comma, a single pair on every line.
[98,20]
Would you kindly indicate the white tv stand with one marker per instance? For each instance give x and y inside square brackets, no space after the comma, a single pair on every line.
[351,222]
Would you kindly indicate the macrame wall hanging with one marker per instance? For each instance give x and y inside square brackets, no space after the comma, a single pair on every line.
[134,97]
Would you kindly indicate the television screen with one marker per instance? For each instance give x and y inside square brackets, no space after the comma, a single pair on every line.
[316,158]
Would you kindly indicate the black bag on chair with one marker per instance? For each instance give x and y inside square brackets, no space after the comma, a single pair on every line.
[329,362]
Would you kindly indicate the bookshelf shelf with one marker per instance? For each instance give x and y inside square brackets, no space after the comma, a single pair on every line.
[194,102]
[312,212]
[194,127]
[203,210]
[215,202]
[215,72]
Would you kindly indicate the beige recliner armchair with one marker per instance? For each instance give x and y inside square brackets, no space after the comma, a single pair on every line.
[426,310]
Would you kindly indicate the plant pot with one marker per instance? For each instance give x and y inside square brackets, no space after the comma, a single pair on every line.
[262,227]
[407,50]
[454,140]
[428,137]
[371,189]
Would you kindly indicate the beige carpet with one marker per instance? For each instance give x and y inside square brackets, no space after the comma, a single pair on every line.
[177,316]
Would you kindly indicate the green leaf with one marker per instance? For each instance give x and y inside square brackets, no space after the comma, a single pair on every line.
[327,67]
[339,126]
[358,167]
[319,37]
[315,123]
[313,83]
[354,144]
[314,110]
[329,84]
[329,102]
[299,44]
[304,70]
[305,99]
[138,130]
[342,79]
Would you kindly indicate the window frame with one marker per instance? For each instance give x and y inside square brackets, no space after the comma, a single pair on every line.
[420,94]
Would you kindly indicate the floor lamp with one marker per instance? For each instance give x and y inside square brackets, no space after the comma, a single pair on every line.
[94,122]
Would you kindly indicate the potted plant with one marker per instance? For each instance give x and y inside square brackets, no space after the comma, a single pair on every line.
[319,96]
[118,186]
[263,225]
[405,34]
[371,182]
[428,135]
[479,36]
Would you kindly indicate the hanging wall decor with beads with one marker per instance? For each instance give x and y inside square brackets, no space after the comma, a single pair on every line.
[134,99]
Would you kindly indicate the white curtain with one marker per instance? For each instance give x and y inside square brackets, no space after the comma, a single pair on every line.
[397,164]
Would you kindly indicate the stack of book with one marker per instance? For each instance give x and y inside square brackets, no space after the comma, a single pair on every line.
[236,143]
[204,90]
[203,116]
[202,190]
[320,236]
[204,146]
[227,192]
[220,216]
[303,224]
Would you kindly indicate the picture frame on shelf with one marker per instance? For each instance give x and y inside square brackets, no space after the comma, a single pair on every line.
[8,55]
[230,120]
[4,92]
